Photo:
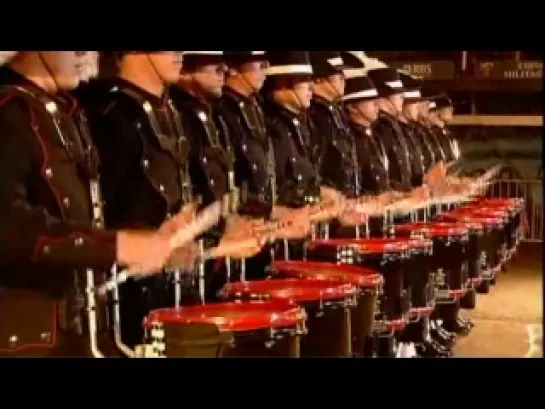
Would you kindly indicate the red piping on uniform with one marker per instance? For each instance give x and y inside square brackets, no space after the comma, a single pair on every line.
[6,99]
[43,240]
[45,163]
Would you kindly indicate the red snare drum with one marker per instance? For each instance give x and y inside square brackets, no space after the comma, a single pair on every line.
[511,211]
[368,281]
[254,329]
[384,255]
[419,278]
[449,261]
[508,202]
[328,305]
[493,237]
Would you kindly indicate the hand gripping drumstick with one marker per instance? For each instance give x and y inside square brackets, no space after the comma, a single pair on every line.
[206,219]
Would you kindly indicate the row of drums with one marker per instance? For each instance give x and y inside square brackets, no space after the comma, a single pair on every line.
[346,293]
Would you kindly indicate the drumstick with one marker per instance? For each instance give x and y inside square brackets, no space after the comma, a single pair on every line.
[232,248]
[206,219]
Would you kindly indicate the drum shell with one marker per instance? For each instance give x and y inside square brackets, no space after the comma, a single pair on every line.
[270,329]
[394,301]
[328,323]
[476,246]
[258,343]
[419,276]
[362,315]
[362,319]
[450,261]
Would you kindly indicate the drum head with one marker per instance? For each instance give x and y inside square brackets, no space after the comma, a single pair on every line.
[369,246]
[433,229]
[472,218]
[472,225]
[293,290]
[233,316]
[358,276]
[484,211]
[509,202]
[496,211]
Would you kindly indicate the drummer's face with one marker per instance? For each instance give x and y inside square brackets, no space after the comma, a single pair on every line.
[211,78]
[446,114]
[63,68]
[303,92]
[424,109]
[397,101]
[254,73]
[338,83]
[412,111]
[168,65]
[368,109]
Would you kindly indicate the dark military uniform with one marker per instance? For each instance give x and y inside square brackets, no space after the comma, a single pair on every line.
[416,144]
[372,157]
[333,146]
[297,177]
[254,164]
[47,164]
[428,137]
[333,141]
[444,139]
[389,131]
[211,161]
[144,176]
[254,158]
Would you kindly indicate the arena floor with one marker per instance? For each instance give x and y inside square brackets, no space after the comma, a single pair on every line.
[509,320]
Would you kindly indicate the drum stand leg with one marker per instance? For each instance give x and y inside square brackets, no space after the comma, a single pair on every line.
[286,250]
[92,314]
[243,270]
[202,283]
[228,268]
[117,318]
[177,287]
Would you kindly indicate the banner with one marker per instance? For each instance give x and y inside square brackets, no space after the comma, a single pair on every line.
[509,70]
[428,70]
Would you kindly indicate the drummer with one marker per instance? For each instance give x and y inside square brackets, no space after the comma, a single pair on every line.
[46,177]
[333,146]
[255,173]
[143,150]
[331,142]
[440,113]
[361,104]
[211,161]
[287,96]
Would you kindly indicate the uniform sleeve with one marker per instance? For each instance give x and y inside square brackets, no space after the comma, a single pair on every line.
[27,230]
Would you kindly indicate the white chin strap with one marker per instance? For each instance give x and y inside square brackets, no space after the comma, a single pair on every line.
[88,67]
